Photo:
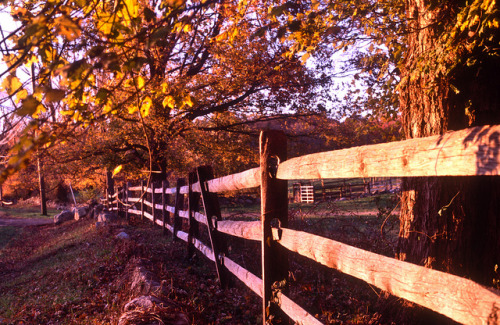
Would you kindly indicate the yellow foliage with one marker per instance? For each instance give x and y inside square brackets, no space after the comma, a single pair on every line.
[11,84]
[146,106]
[67,27]
[117,170]
[169,101]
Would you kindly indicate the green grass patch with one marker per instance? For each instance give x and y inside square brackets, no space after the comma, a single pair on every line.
[26,212]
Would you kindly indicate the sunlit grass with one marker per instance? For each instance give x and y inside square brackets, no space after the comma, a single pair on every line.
[26,212]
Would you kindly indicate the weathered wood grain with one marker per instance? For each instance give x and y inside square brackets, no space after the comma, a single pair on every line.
[473,151]
[246,179]
[244,229]
[466,301]
[457,298]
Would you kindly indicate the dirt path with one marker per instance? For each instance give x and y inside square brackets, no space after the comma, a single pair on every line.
[22,222]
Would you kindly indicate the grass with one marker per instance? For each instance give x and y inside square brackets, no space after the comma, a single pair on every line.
[56,273]
[26,212]
[6,234]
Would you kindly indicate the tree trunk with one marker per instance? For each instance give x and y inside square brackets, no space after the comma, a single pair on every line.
[448,223]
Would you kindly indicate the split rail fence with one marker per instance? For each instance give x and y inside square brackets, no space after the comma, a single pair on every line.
[459,153]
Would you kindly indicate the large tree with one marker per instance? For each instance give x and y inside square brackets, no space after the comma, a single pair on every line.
[449,82]
[439,62]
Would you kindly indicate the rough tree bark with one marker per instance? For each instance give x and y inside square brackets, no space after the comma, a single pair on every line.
[451,224]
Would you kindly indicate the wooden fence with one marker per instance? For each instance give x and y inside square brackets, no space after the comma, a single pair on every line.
[461,153]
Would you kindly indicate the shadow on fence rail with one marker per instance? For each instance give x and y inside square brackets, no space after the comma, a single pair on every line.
[457,298]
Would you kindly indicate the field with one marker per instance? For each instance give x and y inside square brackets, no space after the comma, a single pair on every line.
[79,274]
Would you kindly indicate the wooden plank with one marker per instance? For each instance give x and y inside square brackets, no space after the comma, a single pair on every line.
[149,204]
[459,153]
[213,215]
[294,311]
[246,179]
[193,207]
[457,298]
[153,201]
[148,215]
[135,188]
[204,249]
[134,199]
[171,190]
[184,189]
[170,209]
[274,207]
[248,278]
[182,235]
[244,229]
[134,211]
[183,214]
[143,197]
[179,204]
[164,201]
[127,194]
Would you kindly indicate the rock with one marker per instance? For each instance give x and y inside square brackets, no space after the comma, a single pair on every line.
[97,209]
[80,212]
[123,235]
[143,302]
[63,217]
[106,217]
[143,282]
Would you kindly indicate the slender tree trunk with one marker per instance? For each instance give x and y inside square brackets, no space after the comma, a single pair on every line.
[41,182]
[448,223]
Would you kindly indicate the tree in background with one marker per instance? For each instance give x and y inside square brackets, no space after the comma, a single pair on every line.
[157,70]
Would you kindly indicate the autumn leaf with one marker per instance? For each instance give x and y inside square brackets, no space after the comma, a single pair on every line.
[67,28]
[169,101]
[146,106]
[30,107]
[139,81]
[117,170]
[11,84]
[54,95]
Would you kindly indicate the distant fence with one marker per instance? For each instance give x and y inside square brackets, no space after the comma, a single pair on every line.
[452,154]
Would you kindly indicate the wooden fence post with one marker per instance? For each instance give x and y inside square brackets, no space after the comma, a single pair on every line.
[164,202]
[212,211]
[153,201]
[143,194]
[110,185]
[179,205]
[115,191]
[274,208]
[127,194]
[193,207]
[119,205]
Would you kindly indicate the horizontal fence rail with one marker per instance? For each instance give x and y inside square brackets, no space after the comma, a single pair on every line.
[460,153]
